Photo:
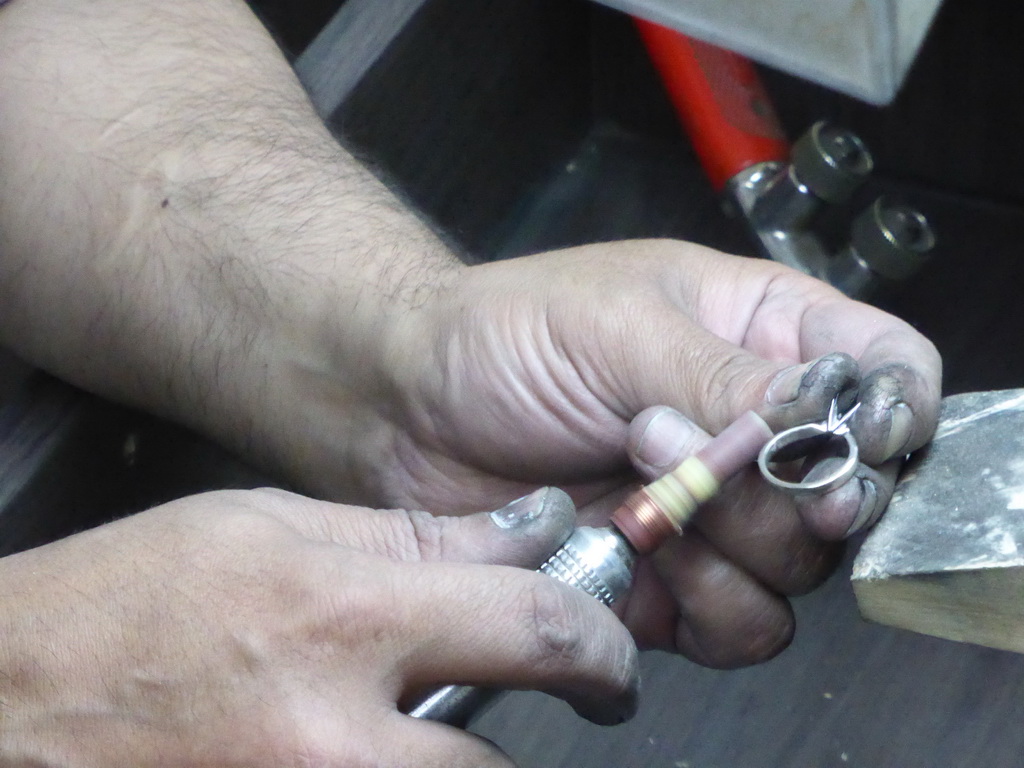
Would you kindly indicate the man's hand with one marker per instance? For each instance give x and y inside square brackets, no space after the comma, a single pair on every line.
[178,230]
[530,371]
[265,629]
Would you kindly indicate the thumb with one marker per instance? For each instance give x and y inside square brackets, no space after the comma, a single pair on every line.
[522,533]
[714,381]
[729,381]
[660,438]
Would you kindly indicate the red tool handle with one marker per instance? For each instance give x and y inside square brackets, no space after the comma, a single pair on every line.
[720,100]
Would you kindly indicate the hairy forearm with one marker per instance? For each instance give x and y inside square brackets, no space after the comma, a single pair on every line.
[174,219]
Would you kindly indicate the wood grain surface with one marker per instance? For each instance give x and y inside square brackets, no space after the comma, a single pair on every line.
[946,558]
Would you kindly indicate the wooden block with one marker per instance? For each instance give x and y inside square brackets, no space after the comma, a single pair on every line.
[947,558]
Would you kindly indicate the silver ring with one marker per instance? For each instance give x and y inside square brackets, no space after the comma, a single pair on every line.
[820,485]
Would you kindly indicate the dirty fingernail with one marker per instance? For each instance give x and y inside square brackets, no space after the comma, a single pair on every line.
[610,712]
[664,439]
[552,503]
[785,387]
[616,714]
[522,511]
[867,512]
[900,426]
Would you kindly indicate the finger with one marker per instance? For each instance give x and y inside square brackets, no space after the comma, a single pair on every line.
[898,413]
[413,743]
[523,533]
[509,628]
[714,380]
[660,438]
[713,610]
[727,618]
[802,393]
[759,528]
[751,523]
[853,507]
[779,314]
[649,610]
[902,374]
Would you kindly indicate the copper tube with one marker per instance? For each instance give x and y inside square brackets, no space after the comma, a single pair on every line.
[642,522]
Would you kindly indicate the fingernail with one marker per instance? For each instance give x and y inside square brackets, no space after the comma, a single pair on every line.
[866,513]
[624,710]
[621,710]
[785,387]
[901,423]
[664,439]
[522,511]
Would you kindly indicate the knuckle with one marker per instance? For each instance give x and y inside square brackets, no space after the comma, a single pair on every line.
[574,635]
[717,374]
[807,565]
[730,372]
[773,544]
[553,618]
[786,556]
[736,627]
[774,633]
[421,537]
[358,611]
[410,536]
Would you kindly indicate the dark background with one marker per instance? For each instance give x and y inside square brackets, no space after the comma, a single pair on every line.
[517,126]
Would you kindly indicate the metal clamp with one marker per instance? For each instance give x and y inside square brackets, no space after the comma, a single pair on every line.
[798,442]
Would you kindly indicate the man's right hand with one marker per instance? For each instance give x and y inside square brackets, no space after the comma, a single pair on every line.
[261,628]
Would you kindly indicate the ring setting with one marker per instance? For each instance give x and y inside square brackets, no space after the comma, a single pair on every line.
[802,442]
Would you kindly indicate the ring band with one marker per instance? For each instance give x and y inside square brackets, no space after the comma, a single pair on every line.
[819,485]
